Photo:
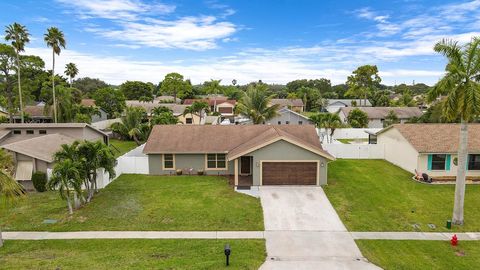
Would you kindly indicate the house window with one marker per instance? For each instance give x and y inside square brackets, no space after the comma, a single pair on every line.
[189,120]
[300,122]
[287,122]
[42,131]
[17,132]
[279,122]
[438,161]
[216,161]
[29,132]
[474,162]
[168,161]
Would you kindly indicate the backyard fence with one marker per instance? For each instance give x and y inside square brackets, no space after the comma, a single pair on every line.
[105,124]
[356,151]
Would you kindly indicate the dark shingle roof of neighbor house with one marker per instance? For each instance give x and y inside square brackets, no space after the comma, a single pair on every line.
[348,102]
[296,102]
[382,112]
[234,140]
[43,147]
[437,138]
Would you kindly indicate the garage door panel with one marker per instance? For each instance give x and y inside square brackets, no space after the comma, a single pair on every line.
[289,173]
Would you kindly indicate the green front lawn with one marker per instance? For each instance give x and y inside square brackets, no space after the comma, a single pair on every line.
[143,202]
[374,195]
[410,255]
[120,147]
[131,254]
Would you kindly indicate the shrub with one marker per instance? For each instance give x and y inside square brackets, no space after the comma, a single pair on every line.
[39,180]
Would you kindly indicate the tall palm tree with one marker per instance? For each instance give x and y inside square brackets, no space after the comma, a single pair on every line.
[19,36]
[66,179]
[461,86]
[213,87]
[71,71]
[55,40]
[132,126]
[255,104]
[200,107]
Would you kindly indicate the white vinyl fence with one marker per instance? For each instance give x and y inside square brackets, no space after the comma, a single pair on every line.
[356,151]
[353,133]
[105,124]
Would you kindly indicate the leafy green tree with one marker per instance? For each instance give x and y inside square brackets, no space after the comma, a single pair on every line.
[340,90]
[381,98]
[391,119]
[164,118]
[133,90]
[71,71]
[54,39]
[19,37]
[89,86]
[112,101]
[406,99]
[461,86]
[363,81]
[33,77]
[174,84]
[310,96]
[357,118]
[213,87]
[7,65]
[133,125]
[66,105]
[255,104]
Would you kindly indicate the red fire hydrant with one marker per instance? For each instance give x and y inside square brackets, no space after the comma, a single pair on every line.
[454,240]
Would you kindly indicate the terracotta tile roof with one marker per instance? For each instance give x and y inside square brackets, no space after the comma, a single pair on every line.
[382,112]
[232,139]
[285,102]
[437,138]
[43,147]
[87,102]
[211,101]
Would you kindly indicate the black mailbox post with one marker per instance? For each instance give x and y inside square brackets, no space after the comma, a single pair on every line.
[227,252]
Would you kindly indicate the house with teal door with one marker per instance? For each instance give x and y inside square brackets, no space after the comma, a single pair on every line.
[431,149]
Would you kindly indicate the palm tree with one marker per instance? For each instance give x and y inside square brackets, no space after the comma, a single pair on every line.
[461,86]
[255,104]
[328,121]
[71,71]
[19,36]
[189,110]
[132,126]
[213,87]
[66,179]
[10,190]
[200,107]
[70,151]
[55,40]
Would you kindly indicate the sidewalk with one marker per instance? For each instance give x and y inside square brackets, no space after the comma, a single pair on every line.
[414,235]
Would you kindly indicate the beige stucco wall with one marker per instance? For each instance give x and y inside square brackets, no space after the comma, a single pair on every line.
[398,150]
[423,167]
[196,118]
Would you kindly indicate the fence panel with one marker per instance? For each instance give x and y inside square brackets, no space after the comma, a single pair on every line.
[356,151]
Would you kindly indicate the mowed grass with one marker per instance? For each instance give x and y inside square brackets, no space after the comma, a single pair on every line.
[120,147]
[131,254]
[143,202]
[374,195]
[412,255]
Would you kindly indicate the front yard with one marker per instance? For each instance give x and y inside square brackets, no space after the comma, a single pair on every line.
[131,254]
[410,255]
[374,195]
[143,202]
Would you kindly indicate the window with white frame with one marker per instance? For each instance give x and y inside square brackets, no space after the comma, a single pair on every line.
[168,161]
[216,161]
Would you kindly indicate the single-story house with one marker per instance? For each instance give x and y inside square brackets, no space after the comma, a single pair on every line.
[33,145]
[177,109]
[101,116]
[167,99]
[288,117]
[222,105]
[295,104]
[34,114]
[377,115]
[334,105]
[430,148]
[253,155]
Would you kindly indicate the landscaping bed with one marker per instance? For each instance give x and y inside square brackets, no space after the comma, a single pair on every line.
[142,202]
[416,254]
[374,195]
[131,254]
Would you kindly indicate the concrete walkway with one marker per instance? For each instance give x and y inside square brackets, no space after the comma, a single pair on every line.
[303,231]
[414,235]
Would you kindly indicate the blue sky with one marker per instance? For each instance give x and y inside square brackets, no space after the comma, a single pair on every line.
[275,41]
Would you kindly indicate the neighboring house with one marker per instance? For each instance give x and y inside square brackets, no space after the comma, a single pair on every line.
[102,116]
[177,109]
[288,117]
[33,145]
[167,99]
[224,106]
[377,115]
[334,105]
[34,114]
[211,120]
[430,148]
[253,155]
[295,104]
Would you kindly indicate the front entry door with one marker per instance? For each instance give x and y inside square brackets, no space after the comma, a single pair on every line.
[245,164]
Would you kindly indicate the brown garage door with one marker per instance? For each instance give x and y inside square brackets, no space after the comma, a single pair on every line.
[289,173]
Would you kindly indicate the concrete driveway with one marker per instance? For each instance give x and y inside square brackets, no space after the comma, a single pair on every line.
[303,231]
